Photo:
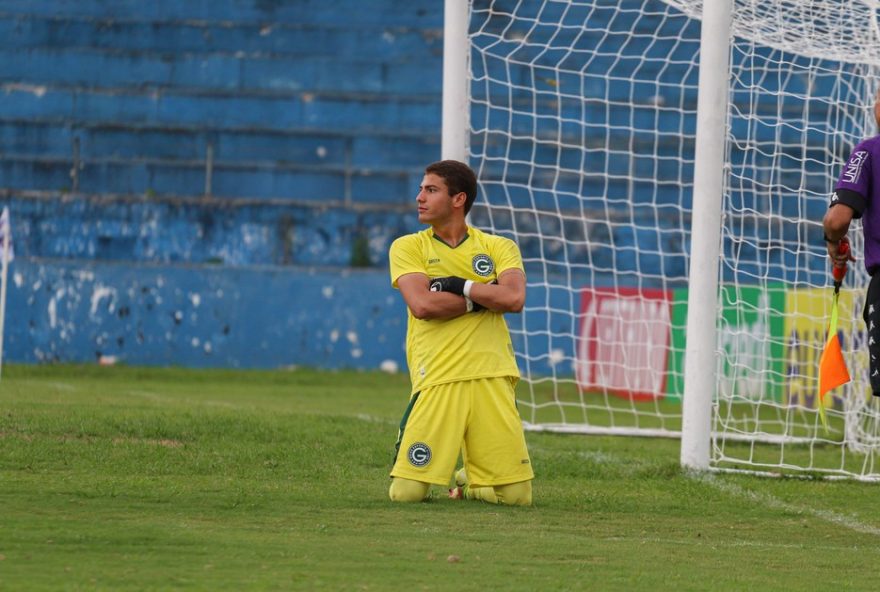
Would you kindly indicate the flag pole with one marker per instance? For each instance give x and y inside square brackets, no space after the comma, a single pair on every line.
[4,256]
[832,367]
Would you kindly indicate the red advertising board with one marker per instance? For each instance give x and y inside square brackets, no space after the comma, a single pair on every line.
[624,341]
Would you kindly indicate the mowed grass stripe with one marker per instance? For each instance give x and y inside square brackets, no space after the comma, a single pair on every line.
[158,479]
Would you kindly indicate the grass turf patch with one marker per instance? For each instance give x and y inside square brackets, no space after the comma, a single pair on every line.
[156,479]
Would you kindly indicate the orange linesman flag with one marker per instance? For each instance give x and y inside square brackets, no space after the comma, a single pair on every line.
[832,367]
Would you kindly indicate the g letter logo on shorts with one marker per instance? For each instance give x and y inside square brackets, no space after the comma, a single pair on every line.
[483,265]
[419,454]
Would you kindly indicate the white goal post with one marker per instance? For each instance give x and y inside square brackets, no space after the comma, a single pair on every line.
[664,166]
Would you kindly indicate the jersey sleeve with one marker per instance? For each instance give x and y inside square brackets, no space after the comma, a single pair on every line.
[405,257]
[853,188]
[507,256]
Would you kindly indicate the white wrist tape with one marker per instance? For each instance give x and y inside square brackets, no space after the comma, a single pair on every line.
[469,303]
[467,288]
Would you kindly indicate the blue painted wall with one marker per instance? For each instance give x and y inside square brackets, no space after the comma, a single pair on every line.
[245,317]
[202,316]
[191,182]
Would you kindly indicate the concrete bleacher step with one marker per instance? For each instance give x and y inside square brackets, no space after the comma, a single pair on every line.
[112,69]
[204,231]
[543,19]
[345,40]
[226,110]
[63,140]
[585,191]
[244,164]
[381,12]
[252,181]
[25,136]
[595,76]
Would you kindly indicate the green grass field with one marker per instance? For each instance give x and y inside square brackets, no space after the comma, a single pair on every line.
[156,479]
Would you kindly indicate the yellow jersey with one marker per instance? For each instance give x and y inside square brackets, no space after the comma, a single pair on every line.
[473,345]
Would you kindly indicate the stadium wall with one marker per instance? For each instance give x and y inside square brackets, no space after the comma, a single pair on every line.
[237,317]
[184,315]
[213,184]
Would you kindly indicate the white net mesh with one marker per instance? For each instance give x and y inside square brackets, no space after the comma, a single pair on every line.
[837,30]
[583,117]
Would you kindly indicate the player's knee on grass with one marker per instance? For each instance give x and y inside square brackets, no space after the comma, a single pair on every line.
[407,490]
[514,494]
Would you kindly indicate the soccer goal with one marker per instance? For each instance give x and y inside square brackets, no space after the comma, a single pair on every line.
[669,214]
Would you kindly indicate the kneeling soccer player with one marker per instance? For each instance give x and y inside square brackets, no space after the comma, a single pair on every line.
[458,282]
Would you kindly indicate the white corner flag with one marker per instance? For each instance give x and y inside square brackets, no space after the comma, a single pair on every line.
[6,250]
[6,255]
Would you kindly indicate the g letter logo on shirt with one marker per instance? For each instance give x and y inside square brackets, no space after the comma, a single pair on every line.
[419,454]
[483,265]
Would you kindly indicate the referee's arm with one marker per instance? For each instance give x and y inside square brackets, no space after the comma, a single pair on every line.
[426,305]
[836,223]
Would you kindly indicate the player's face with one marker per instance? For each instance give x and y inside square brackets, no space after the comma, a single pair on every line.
[434,201]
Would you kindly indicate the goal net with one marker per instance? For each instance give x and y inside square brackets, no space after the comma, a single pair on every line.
[582,132]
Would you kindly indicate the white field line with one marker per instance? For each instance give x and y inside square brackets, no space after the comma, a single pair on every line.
[762,498]
[145,394]
[61,386]
[775,503]
[226,404]
[714,543]
[154,396]
[374,419]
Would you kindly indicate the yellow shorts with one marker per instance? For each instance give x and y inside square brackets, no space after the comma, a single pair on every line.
[476,417]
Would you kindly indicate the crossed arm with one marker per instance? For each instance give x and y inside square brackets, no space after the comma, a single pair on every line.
[508,295]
